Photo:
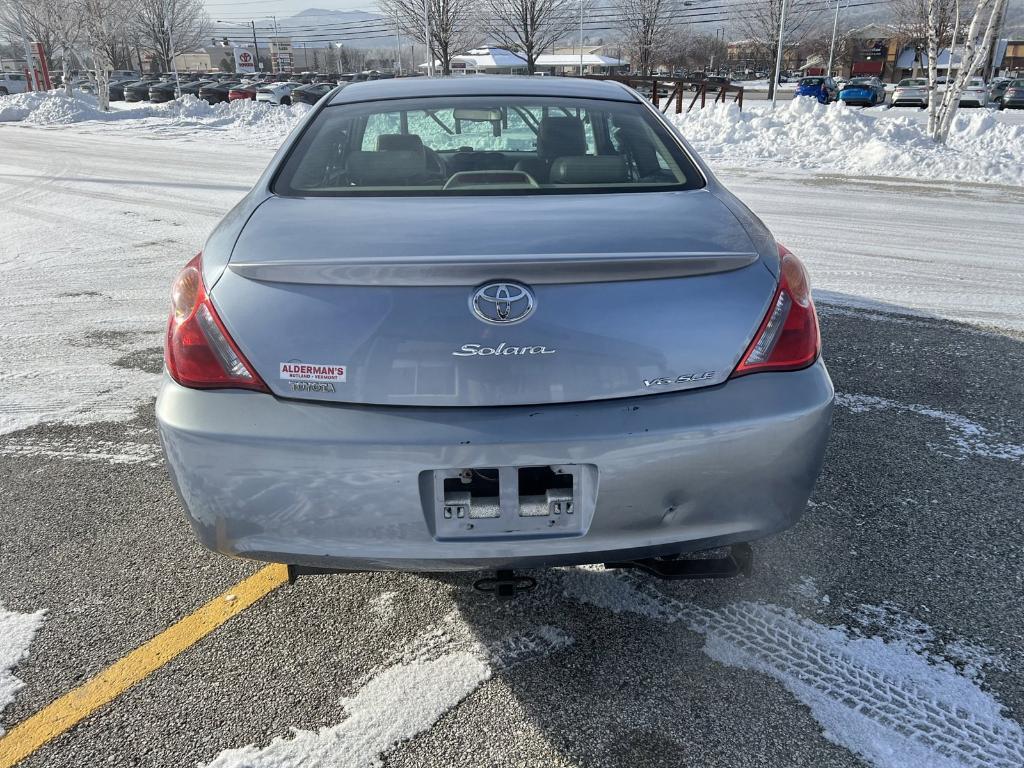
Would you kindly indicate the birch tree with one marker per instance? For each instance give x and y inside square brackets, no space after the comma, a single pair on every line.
[103,24]
[57,24]
[529,27]
[977,44]
[453,27]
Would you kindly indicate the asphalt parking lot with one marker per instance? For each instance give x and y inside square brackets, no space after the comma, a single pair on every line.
[887,623]
[904,514]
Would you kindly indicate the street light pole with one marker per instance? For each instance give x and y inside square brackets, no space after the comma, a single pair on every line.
[581,38]
[832,50]
[174,64]
[778,53]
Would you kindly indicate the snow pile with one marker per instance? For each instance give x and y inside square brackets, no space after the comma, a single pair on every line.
[983,146]
[242,119]
[16,633]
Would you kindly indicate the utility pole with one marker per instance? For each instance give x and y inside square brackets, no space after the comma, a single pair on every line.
[778,53]
[398,46]
[832,50]
[256,46]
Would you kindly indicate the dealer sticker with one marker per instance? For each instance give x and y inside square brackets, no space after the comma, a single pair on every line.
[313,372]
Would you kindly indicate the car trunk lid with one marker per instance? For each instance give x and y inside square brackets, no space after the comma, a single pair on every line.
[371,299]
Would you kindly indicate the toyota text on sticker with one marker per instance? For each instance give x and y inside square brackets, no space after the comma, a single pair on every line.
[312,372]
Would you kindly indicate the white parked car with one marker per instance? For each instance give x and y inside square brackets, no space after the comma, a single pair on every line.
[277,93]
[975,94]
[911,92]
[12,82]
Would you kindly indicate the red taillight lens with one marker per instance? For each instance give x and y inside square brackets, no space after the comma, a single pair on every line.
[199,352]
[788,338]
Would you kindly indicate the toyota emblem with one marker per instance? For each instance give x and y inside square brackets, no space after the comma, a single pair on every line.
[502,303]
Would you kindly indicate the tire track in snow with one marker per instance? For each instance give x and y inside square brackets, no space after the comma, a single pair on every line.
[882,700]
[968,437]
[402,699]
[16,633]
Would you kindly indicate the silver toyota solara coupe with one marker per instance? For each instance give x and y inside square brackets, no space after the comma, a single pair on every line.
[490,323]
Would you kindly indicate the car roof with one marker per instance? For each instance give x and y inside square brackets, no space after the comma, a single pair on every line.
[481,85]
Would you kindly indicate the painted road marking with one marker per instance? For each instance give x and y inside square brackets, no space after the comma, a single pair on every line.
[67,711]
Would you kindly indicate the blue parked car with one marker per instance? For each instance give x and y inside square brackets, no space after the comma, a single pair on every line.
[863,91]
[824,89]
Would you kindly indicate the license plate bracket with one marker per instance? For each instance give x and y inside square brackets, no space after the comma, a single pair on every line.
[509,502]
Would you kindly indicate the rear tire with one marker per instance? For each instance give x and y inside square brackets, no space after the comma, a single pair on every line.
[3,92]
[286,101]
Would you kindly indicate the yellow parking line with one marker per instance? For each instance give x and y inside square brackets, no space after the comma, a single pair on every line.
[70,709]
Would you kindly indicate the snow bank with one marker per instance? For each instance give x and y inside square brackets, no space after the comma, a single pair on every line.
[245,119]
[983,146]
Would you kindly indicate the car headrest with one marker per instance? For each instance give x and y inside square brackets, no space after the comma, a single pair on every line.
[588,169]
[397,167]
[389,142]
[560,136]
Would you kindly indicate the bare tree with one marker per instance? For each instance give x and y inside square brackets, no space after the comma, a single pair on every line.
[642,23]
[761,22]
[705,50]
[977,43]
[452,25]
[529,27]
[158,22]
[55,23]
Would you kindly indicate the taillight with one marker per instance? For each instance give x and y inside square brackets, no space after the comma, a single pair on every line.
[788,338]
[199,352]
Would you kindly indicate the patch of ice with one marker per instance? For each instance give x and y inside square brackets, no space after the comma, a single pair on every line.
[802,133]
[882,700]
[399,702]
[968,437]
[16,633]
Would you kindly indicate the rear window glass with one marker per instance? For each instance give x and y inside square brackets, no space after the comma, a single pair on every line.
[912,82]
[811,81]
[482,145]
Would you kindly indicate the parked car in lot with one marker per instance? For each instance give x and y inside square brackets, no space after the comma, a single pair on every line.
[551,337]
[215,93]
[1013,96]
[911,92]
[311,94]
[822,88]
[139,91]
[996,88]
[975,93]
[863,91]
[12,83]
[244,90]
[277,93]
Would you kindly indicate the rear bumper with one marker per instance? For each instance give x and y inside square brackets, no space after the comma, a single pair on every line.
[339,486]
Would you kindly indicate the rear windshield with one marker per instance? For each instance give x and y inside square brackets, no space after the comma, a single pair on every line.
[912,82]
[1016,84]
[485,145]
[811,81]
